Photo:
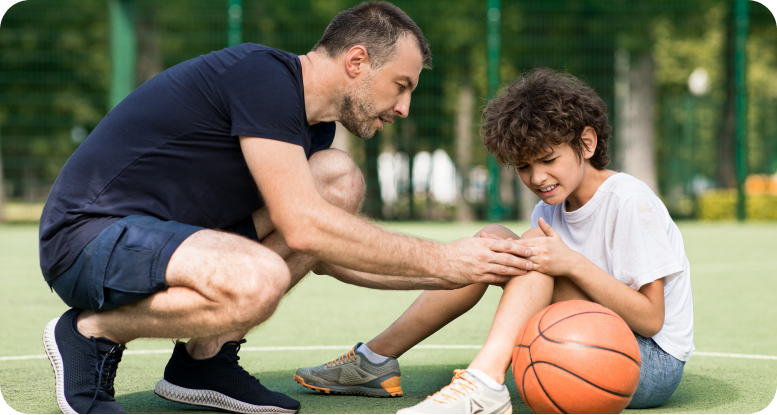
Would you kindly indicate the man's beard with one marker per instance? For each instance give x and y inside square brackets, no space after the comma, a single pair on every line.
[357,111]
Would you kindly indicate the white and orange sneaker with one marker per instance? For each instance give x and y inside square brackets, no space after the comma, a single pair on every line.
[466,394]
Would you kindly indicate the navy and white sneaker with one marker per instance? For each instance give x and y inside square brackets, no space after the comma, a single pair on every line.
[219,382]
[84,369]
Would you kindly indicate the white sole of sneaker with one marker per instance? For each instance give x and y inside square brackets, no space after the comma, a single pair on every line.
[213,399]
[55,357]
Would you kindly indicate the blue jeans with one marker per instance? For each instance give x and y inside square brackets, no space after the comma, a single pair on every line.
[659,376]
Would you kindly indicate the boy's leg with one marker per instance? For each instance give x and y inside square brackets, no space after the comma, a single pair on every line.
[523,297]
[431,311]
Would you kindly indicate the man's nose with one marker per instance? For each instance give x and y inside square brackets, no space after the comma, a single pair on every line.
[402,109]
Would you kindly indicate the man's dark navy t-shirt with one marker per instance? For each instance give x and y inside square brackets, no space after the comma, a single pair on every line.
[170,149]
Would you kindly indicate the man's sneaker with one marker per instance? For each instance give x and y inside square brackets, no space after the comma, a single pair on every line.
[353,374]
[84,369]
[465,395]
[219,382]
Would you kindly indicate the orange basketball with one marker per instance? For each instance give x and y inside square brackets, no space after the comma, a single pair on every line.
[576,357]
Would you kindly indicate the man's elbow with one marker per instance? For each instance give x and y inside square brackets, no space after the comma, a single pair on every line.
[296,232]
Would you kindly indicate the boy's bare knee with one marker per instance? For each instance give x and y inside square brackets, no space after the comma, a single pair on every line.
[533,233]
[338,179]
[498,230]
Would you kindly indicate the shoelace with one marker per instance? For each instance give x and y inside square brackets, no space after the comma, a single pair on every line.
[233,360]
[459,381]
[347,357]
[106,369]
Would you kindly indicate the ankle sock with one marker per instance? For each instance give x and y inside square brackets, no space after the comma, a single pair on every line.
[370,355]
[491,383]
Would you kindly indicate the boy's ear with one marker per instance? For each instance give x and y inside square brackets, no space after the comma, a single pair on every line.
[590,139]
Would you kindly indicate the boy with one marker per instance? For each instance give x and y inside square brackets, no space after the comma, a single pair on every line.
[597,235]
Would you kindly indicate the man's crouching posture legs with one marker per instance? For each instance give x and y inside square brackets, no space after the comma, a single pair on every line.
[219,285]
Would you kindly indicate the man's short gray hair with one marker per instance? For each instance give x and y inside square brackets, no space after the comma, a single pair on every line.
[377,26]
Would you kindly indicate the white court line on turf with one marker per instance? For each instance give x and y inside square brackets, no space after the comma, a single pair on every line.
[423,346]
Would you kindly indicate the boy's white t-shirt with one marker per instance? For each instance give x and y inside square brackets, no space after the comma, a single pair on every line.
[626,230]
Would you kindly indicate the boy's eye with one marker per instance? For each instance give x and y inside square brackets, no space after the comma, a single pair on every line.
[550,161]
[521,167]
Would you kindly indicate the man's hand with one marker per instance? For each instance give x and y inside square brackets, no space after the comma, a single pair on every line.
[550,255]
[488,260]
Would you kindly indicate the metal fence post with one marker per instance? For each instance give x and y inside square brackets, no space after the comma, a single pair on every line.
[235,32]
[741,26]
[123,47]
[493,19]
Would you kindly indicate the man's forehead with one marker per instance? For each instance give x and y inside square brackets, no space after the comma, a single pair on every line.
[408,62]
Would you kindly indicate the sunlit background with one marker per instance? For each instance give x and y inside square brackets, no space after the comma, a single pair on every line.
[691,89]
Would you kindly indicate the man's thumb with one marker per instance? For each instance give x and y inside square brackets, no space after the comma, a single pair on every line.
[546,229]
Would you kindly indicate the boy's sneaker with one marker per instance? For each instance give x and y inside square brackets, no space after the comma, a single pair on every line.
[465,395]
[84,369]
[353,374]
[219,382]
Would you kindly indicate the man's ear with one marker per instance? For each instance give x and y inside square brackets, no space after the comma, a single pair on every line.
[590,139]
[356,61]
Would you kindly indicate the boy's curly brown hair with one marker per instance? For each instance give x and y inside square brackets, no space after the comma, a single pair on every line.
[540,109]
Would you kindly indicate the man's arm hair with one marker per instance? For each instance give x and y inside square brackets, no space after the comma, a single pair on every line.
[384,282]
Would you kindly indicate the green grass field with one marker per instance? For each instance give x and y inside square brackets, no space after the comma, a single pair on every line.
[734,274]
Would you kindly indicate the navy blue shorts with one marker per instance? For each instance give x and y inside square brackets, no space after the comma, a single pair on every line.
[126,262]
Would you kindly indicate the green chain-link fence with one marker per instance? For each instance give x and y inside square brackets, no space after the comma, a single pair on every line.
[641,56]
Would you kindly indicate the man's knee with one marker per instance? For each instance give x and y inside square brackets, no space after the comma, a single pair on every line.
[338,179]
[264,285]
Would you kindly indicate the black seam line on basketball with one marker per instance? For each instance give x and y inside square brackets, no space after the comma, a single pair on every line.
[581,378]
[593,347]
[539,324]
[542,334]
[576,314]
[537,376]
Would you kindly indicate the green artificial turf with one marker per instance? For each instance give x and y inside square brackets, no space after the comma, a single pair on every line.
[733,276]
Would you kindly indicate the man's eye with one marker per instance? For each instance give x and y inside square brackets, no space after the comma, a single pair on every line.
[401,88]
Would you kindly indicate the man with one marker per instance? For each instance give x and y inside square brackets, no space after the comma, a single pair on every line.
[209,192]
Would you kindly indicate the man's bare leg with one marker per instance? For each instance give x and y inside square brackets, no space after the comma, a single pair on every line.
[431,311]
[340,182]
[218,282]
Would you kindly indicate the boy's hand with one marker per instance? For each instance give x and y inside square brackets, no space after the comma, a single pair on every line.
[550,255]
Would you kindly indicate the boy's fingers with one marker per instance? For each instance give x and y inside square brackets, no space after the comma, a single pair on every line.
[546,229]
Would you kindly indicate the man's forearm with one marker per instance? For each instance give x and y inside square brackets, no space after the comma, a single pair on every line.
[383,282]
[340,238]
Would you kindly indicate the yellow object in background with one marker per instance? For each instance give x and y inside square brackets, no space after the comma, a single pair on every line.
[757,184]
[22,212]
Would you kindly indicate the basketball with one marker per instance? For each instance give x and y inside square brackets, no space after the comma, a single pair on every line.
[576,357]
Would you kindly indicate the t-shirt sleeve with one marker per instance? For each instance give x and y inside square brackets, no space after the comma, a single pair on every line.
[263,98]
[641,250]
[541,211]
